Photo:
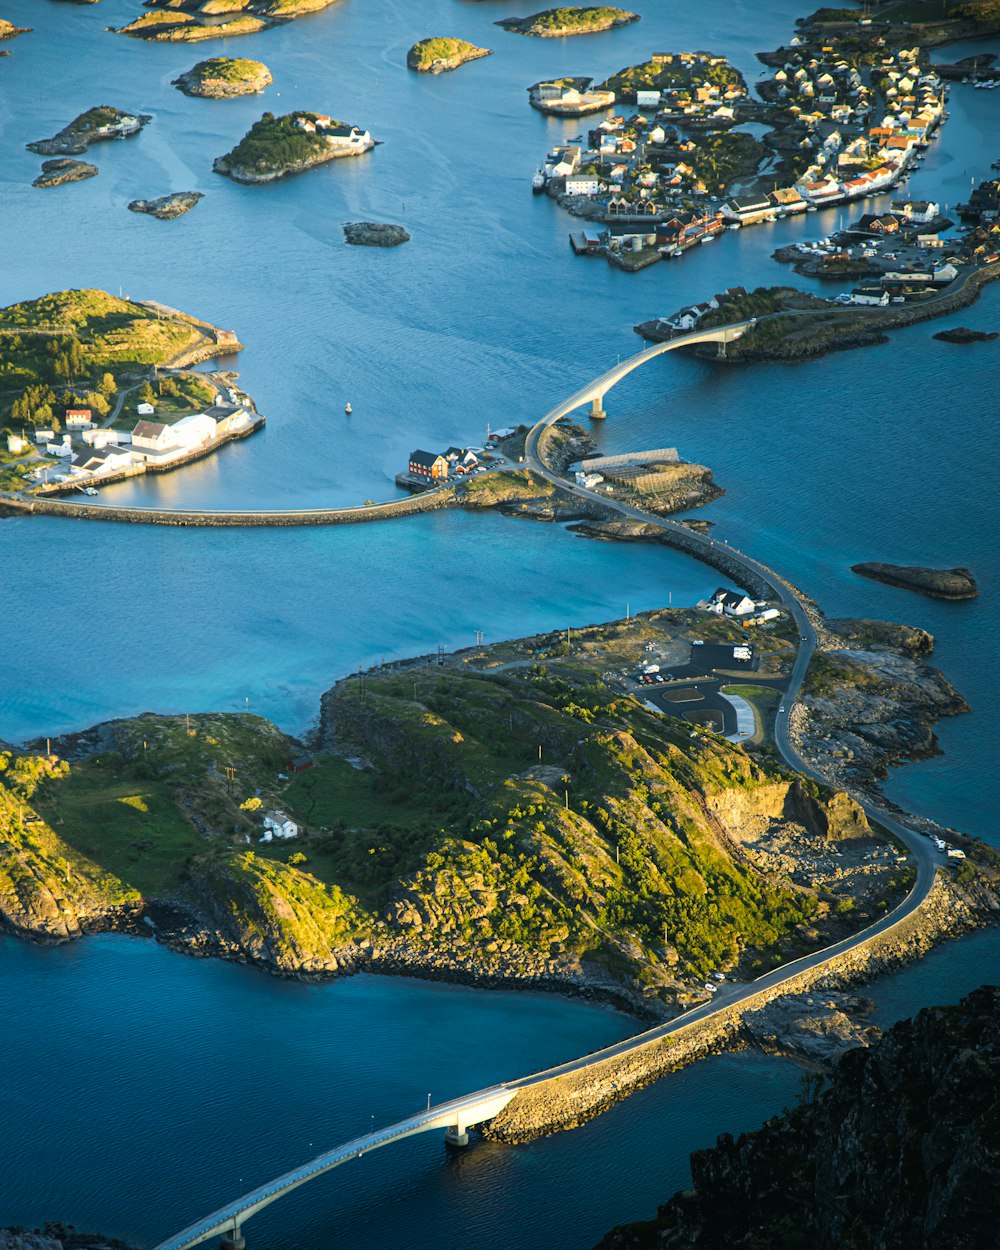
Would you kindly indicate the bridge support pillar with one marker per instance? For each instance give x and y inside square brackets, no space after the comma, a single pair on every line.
[597,412]
[720,349]
[233,1241]
[456,1135]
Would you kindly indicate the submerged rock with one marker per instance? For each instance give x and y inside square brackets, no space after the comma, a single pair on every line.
[63,169]
[938,583]
[374,234]
[167,207]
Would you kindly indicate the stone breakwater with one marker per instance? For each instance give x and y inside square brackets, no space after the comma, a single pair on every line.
[566,1101]
[307,516]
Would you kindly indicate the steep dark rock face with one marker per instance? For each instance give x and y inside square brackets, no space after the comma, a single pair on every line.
[902,1152]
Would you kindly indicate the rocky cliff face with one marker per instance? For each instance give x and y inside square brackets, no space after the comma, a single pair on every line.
[901,1152]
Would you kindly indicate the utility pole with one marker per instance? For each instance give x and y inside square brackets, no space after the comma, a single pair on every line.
[539,752]
[566,797]
[628,611]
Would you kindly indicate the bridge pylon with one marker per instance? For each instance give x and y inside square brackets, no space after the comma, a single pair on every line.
[597,412]
[233,1240]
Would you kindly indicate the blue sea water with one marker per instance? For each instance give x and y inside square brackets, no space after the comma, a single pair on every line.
[145,1087]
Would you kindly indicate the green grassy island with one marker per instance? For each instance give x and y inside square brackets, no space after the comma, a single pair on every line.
[506,816]
[556,23]
[222,77]
[434,56]
[277,146]
[193,21]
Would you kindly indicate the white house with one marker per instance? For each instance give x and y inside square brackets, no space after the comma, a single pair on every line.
[102,460]
[193,430]
[731,603]
[880,298]
[145,410]
[16,444]
[44,436]
[78,419]
[152,436]
[582,184]
[347,137]
[279,825]
[647,99]
[105,437]
[62,448]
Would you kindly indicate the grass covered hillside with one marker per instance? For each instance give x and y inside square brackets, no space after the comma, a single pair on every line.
[69,346]
[221,77]
[525,822]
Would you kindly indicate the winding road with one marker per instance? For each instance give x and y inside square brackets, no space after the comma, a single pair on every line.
[460,1113]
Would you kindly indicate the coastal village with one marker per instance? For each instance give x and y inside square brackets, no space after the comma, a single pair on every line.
[91,452]
[848,117]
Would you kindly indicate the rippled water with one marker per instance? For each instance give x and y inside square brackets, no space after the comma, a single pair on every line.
[143,1086]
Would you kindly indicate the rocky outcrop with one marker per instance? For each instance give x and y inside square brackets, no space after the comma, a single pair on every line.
[167,207]
[97,124]
[962,334]
[817,1029]
[193,21]
[9,31]
[63,169]
[224,77]
[436,56]
[900,1152]
[374,234]
[937,583]
[868,707]
[56,1236]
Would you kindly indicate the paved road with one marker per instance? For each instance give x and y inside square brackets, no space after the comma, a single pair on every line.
[927,862]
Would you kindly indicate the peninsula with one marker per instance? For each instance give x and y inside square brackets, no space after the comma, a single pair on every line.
[93,126]
[577,834]
[558,23]
[435,56]
[82,411]
[223,77]
[277,146]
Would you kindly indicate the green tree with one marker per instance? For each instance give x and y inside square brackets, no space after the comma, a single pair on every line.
[146,395]
[107,385]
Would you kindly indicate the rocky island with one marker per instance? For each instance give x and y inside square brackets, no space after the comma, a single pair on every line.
[93,126]
[63,169]
[194,21]
[435,56]
[558,23]
[223,77]
[937,583]
[277,146]
[374,234]
[962,334]
[167,207]
[9,31]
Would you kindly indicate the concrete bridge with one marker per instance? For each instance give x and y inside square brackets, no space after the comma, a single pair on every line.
[593,393]
[456,1117]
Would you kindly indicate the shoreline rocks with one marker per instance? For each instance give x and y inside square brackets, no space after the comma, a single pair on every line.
[64,169]
[374,234]
[167,207]
[954,584]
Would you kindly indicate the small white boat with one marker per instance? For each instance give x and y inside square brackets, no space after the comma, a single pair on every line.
[348,409]
[538,182]
[708,238]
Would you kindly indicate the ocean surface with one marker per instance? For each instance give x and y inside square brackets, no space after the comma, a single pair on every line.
[145,1087]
